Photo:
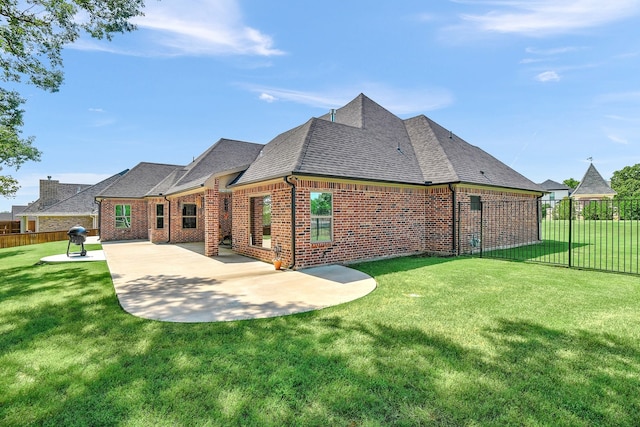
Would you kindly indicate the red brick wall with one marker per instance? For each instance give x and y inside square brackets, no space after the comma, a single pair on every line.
[280,221]
[211,220]
[439,221]
[375,221]
[369,221]
[158,235]
[508,219]
[139,220]
[182,235]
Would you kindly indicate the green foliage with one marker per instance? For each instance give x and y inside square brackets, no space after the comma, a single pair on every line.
[563,209]
[321,204]
[629,209]
[571,183]
[545,208]
[598,210]
[32,36]
[626,182]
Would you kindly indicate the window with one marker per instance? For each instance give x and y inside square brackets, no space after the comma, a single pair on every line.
[189,215]
[321,217]
[160,216]
[123,216]
[260,218]
[476,205]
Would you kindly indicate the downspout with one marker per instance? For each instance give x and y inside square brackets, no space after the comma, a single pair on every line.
[168,219]
[293,222]
[99,203]
[453,219]
[539,215]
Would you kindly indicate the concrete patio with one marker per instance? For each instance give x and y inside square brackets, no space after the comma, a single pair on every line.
[177,283]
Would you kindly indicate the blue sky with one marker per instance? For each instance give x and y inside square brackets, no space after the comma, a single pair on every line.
[541,85]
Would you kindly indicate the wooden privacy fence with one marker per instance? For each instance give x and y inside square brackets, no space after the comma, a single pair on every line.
[22,239]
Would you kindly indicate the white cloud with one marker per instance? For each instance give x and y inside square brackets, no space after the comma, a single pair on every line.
[96,110]
[201,28]
[398,101]
[539,18]
[268,98]
[548,76]
[553,51]
[617,139]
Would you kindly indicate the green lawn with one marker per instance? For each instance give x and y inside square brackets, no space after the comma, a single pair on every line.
[601,245]
[456,341]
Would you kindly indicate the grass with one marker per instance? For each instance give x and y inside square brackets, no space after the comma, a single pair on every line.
[602,245]
[440,342]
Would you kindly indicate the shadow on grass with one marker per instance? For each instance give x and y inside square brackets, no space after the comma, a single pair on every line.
[395,265]
[546,250]
[298,370]
[10,253]
[71,356]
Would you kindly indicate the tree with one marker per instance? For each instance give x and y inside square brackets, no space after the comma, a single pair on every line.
[32,36]
[598,210]
[571,183]
[563,210]
[626,183]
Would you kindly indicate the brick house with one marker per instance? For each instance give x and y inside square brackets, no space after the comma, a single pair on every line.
[358,183]
[62,206]
[172,203]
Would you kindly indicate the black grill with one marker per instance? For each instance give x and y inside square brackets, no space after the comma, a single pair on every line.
[77,235]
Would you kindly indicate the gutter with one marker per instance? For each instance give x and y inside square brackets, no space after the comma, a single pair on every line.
[293,221]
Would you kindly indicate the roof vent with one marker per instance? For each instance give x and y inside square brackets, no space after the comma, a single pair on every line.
[333,114]
[450,135]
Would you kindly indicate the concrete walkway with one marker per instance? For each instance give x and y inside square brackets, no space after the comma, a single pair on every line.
[177,283]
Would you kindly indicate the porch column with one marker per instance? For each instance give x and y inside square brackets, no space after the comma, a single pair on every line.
[212,220]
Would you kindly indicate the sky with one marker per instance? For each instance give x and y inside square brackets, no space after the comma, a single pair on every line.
[542,85]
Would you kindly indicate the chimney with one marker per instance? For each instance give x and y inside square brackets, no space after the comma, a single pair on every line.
[48,192]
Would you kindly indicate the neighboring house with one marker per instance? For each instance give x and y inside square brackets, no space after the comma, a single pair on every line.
[62,206]
[554,192]
[358,183]
[593,187]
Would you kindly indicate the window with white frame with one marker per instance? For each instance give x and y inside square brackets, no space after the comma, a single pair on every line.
[160,215]
[123,216]
[189,211]
[321,217]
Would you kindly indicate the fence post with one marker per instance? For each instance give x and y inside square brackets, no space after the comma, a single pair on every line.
[570,227]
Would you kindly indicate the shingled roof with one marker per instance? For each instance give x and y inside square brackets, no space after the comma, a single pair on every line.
[224,156]
[137,182]
[61,191]
[550,185]
[365,141]
[593,184]
[82,203]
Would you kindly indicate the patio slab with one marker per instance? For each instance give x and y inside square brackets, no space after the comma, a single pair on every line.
[176,283]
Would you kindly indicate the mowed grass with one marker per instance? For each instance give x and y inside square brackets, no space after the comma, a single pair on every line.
[602,245]
[456,341]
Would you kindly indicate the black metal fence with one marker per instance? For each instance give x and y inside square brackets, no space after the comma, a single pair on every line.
[594,234]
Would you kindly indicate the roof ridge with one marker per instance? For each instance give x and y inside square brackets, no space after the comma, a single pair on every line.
[312,124]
